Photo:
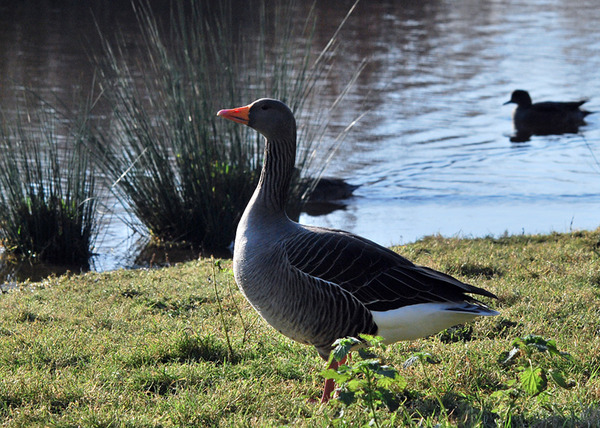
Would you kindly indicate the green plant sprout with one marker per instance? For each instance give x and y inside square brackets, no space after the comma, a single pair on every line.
[533,376]
[367,381]
[536,361]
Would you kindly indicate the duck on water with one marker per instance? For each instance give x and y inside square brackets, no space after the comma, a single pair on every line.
[316,285]
[544,118]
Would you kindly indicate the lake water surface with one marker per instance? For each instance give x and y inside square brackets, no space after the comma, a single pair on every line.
[432,154]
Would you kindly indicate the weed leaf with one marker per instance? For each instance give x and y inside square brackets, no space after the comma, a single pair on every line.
[388,371]
[389,399]
[335,375]
[559,379]
[347,397]
[533,380]
[366,353]
[343,347]
[356,384]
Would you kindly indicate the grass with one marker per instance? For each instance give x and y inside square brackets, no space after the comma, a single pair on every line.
[184,173]
[179,346]
[48,193]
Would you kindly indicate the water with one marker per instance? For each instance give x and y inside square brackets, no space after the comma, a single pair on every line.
[432,154]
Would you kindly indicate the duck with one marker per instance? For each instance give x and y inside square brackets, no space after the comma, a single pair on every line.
[316,285]
[328,195]
[327,189]
[546,118]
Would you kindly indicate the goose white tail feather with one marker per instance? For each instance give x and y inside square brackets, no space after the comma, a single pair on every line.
[422,320]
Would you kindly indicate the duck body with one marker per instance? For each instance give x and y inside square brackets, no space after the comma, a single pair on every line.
[331,189]
[548,117]
[316,285]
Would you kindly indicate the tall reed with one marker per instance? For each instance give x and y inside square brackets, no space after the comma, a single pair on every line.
[186,175]
[47,189]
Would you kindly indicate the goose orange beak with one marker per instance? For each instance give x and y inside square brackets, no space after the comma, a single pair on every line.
[239,114]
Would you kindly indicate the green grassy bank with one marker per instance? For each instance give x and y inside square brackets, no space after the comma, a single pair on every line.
[180,346]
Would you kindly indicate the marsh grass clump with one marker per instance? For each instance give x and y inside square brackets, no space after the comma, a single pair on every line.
[48,193]
[186,175]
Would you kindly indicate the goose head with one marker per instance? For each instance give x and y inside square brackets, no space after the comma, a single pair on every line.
[272,118]
[275,121]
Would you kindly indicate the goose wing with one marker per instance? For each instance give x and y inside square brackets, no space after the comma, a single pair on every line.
[380,278]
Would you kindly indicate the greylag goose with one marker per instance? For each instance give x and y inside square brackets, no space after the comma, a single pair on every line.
[545,118]
[316,285]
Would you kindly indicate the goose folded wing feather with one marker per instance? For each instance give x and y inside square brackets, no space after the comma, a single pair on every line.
[380,278]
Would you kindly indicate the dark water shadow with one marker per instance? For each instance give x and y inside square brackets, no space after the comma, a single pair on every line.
[14,271]
[157,254]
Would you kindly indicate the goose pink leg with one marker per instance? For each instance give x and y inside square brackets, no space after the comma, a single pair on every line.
[330,383]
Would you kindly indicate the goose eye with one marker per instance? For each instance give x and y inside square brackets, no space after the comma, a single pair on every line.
[265,107]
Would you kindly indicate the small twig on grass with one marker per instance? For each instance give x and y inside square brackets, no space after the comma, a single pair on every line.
[221,314]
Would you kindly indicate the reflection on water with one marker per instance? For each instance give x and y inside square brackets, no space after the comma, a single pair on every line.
[13,272]
[433,154]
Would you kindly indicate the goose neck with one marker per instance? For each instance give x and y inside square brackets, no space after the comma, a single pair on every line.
[278,167]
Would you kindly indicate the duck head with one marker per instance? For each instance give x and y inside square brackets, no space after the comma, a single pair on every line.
[520,98]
